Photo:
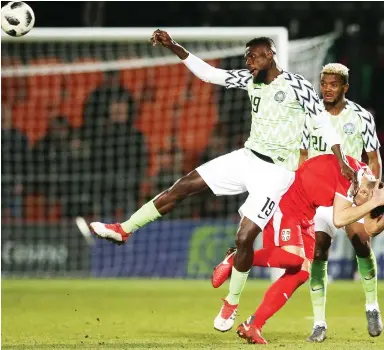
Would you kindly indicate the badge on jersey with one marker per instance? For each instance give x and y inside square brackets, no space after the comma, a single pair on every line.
[285,234]
[349,128]
[280,96]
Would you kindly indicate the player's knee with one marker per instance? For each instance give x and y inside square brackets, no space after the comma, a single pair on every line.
[243,239]
[179,189]
[303,276]
[321,254]
[247,234]
[362,247]
[323,244]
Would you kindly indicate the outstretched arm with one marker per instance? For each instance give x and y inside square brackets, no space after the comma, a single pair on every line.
[374,163]
[204,71]
[344,213]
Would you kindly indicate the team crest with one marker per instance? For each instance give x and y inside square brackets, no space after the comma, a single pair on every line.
[286,234]
[349,128]
[280,96]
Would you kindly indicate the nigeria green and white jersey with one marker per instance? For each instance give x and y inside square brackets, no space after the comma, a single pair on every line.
[278,110]
[356,127]
[278,114]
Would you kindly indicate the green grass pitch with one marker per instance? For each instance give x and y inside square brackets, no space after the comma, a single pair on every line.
[167,314]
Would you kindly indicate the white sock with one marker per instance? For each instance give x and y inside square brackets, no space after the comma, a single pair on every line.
[320,324]
[236,286]
[371,307]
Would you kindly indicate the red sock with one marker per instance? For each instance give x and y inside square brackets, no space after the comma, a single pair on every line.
[276,257]
[278,294]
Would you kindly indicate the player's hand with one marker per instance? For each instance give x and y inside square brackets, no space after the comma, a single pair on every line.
[347,171]
[378,194]
[162,37]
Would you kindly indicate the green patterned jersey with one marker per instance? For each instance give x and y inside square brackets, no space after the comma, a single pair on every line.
[356,128]
[278,114]
[278,110]
[277,118]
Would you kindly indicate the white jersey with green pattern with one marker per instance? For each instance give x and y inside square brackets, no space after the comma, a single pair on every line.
[278,110]
[277,118]
[356,128]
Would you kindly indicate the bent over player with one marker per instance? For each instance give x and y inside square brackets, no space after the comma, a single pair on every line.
[264,167]
[289,237]
[356,127]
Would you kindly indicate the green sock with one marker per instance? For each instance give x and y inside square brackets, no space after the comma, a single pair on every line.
[318,286]
[147,213]
[236,286]
[367,269]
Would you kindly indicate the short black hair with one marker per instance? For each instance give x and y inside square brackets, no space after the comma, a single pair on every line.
[262,40]
[378,211]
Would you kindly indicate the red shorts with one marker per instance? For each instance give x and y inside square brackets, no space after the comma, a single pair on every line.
[284,230]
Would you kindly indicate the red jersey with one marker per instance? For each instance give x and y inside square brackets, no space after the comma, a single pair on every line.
[316,183]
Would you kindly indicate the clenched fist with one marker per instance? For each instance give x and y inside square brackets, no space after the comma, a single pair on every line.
[163,38]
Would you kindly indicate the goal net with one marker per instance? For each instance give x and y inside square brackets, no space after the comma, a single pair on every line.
[95,122]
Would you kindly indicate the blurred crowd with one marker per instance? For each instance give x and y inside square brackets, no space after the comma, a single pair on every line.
[101,169]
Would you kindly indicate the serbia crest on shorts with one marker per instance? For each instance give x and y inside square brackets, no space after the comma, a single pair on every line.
[285,234]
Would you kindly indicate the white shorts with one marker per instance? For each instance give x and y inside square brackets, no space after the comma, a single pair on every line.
[324,221]
[241,171]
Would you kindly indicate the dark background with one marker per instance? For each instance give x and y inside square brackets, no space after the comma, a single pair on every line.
[71,169]
[360,47]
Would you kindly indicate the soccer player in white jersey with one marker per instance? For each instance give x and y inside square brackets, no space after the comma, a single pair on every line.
[356,128]
[264,167]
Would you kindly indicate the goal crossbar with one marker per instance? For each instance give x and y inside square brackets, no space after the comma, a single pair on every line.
[142,35]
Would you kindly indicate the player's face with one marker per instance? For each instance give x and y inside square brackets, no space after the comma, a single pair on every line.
[332,88]
[258,58]
[364,192]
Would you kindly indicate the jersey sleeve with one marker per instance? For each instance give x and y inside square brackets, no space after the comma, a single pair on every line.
[228,78]
[306,135]
[368,130]
[368,133]
[310,102]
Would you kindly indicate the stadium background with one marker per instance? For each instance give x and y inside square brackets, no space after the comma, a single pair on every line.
[97,143]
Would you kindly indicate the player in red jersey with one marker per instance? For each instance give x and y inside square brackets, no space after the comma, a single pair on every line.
[289,237]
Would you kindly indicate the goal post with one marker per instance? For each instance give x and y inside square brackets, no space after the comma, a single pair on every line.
[96,121]
[234,40]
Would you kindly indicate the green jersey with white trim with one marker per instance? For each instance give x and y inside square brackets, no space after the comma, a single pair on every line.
[356,127]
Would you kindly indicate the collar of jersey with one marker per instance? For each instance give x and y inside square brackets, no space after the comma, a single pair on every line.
[345,109]
[272,82]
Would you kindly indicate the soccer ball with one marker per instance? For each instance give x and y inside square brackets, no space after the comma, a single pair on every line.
[17,18]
